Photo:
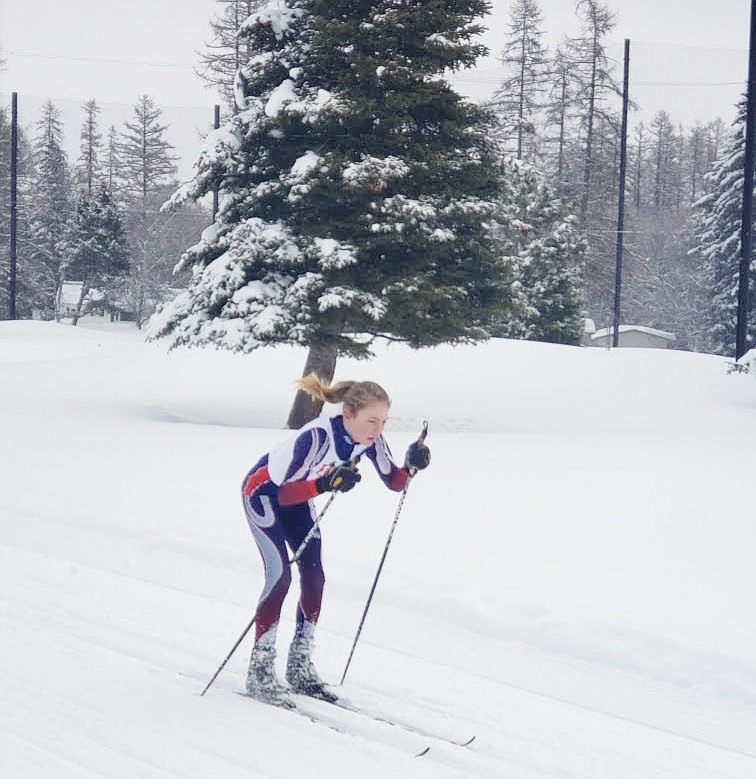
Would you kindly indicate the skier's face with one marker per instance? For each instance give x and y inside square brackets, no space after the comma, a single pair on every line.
[365,425]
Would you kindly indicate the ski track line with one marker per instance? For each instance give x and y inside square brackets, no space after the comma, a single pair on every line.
[386,735]
[88,741]
[476,725]
[91,745]
[110,645]
[471,762]
[36,744]
[509,685]
[68,559]
[567,702]
[621,718]
[75,631]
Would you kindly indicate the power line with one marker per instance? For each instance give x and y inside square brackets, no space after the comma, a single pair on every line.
[106,60]
[688,83]
[498,80]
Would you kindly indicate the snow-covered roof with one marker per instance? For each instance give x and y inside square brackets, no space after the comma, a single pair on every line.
[635,328]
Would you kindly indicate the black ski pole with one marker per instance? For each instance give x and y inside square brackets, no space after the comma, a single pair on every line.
[297,554]
[412,472]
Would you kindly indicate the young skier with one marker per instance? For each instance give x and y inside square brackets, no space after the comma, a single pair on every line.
[277,495]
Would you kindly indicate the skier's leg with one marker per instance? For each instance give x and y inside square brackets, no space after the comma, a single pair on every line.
[300,672]
[269,536]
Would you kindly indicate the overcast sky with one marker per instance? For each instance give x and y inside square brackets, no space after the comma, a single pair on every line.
[687,56]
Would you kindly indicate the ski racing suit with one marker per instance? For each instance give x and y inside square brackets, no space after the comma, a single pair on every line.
[277,494]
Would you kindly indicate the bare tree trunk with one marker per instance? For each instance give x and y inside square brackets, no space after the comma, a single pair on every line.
[58,299]
[80,304]
[320,360]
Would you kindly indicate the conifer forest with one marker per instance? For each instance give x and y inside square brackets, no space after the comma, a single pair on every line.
[349,193]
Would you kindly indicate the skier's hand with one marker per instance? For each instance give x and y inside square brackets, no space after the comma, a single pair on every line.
[341,478]
[417,457]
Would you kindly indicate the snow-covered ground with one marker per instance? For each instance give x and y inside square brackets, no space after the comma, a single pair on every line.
[572,580]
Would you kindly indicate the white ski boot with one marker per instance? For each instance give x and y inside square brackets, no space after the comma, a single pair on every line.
[301,673]
[262,683]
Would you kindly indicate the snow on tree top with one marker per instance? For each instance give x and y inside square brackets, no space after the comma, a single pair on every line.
[275,15]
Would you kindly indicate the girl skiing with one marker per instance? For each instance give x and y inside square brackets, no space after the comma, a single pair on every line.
[277,495]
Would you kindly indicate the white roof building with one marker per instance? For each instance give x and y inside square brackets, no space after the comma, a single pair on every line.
[634,336]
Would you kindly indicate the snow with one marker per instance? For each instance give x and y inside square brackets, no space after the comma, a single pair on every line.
[604,331]
[305,164]
[571,580]
[375,170]
[276,14]
[333,253]
[284,93]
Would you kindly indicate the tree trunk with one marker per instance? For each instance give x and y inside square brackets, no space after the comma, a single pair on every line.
[320,360]
[80,304]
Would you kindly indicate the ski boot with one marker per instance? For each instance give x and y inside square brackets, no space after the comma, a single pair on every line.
[262,683]
[301,673]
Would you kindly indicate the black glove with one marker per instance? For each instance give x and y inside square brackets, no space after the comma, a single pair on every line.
[417,457]
[341,478]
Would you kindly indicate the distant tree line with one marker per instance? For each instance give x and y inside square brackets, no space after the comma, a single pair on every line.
[361,198]
[560,112]
[96,221]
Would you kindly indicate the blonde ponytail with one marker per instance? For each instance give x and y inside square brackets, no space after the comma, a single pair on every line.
[353,394]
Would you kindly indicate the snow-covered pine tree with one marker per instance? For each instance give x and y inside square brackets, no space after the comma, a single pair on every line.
[544,246]
[717,226]
[97,252]
[48,208]
[355,186]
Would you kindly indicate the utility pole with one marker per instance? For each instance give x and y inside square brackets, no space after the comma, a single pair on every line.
[216,125]
[13,206]
[746,229]
[621,198]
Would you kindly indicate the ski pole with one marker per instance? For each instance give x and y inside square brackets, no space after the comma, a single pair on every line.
[412,472]
[297,554]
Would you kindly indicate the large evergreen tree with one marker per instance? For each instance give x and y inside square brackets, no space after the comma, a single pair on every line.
[355,185]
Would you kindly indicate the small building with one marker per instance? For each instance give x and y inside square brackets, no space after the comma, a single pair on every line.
[589,328]
[634,336]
